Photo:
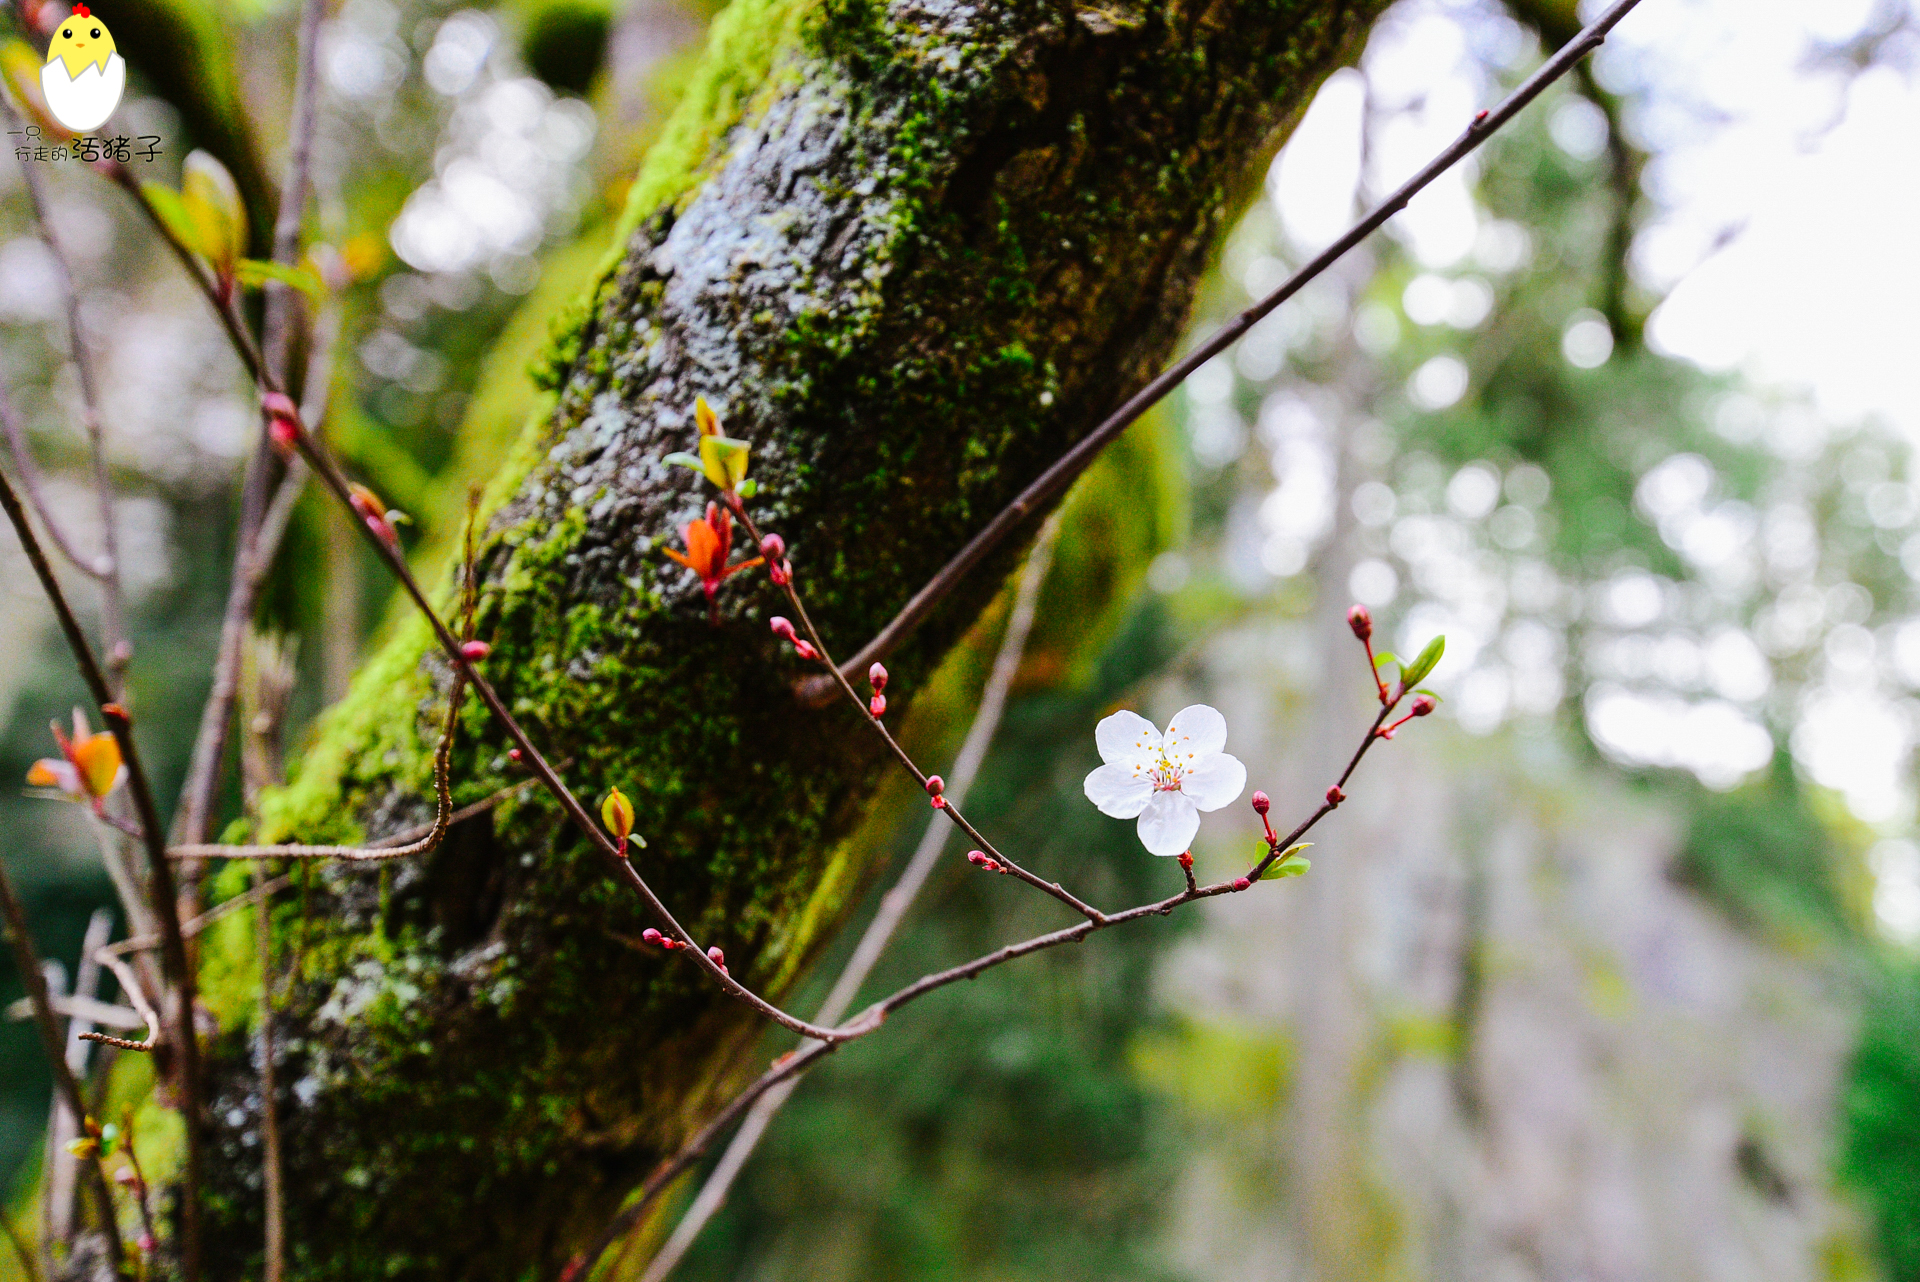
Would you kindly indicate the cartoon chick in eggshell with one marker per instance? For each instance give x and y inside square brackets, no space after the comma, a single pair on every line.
[84,76]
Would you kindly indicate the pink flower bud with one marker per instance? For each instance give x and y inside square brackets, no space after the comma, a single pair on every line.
[1186,859]
[805,650]
[1361,622]
[651,936]
[474,651]
[935,785]
[877,706]
[1335,796]
[283,421]
[148,1243]
[1241,883]
[717,957]
[939,803]
[774,548]
[1261,803]
[877,677]
[993,865]
[782,627]
[514,754]
[976,857]
[1422,705]
[780,572]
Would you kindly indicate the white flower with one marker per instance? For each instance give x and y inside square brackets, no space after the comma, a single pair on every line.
[1167,781]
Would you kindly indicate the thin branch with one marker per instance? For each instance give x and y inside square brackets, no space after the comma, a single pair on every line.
[363,854]
[894,905]
[112,613]
[237,335]
[161,886]
[797,1061]
[920,776]
[130,985]
[274,1163]
[64,1083]
[1053,482]
[281,301]
[34,484]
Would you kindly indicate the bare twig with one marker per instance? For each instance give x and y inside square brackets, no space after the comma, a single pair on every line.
[35,486]
[281,309]
[362,854]
[108,574]
[1053,482]
[161,885]
[940,802]
[893,909]
[64,1083]
[795,1062]
[273,1161]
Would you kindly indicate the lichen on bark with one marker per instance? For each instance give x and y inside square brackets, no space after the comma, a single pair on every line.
[912,250]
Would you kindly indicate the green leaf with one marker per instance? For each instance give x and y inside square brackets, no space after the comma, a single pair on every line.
[724,460]
[1417,671]
[212,200]
[253,273]
[1385,657]
[1289,864]
[682,459]
[1431,695]
[172,213]
[749,488]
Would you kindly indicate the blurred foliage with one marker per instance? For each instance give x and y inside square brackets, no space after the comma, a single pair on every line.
[1763,855]
[1881,1153]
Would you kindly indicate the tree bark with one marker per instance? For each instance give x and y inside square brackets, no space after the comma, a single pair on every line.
[911,251]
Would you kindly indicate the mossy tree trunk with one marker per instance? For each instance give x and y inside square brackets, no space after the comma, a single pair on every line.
[911,250]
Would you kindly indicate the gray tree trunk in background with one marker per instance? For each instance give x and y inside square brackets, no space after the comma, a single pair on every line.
[911,251]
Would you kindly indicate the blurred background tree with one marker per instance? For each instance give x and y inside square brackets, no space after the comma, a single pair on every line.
[1613,978]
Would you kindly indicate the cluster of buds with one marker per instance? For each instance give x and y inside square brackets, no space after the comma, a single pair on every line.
[783,628]
[283,422]
[773,549]
[666,943]
[979,859]
[378,517]
[936,789]
[877,678]
[718,958]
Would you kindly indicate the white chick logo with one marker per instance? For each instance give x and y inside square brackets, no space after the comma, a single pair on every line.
[84,76]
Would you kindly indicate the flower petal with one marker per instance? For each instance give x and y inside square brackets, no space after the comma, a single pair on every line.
[1129,740]
[1215,781]
[52,772]
[1195,732]
[1168,823]
[1118,791]
[98,757]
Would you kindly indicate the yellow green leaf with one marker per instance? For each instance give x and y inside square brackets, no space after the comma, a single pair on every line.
[1289,864]
[724,460]
[253,273]
[212,200]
